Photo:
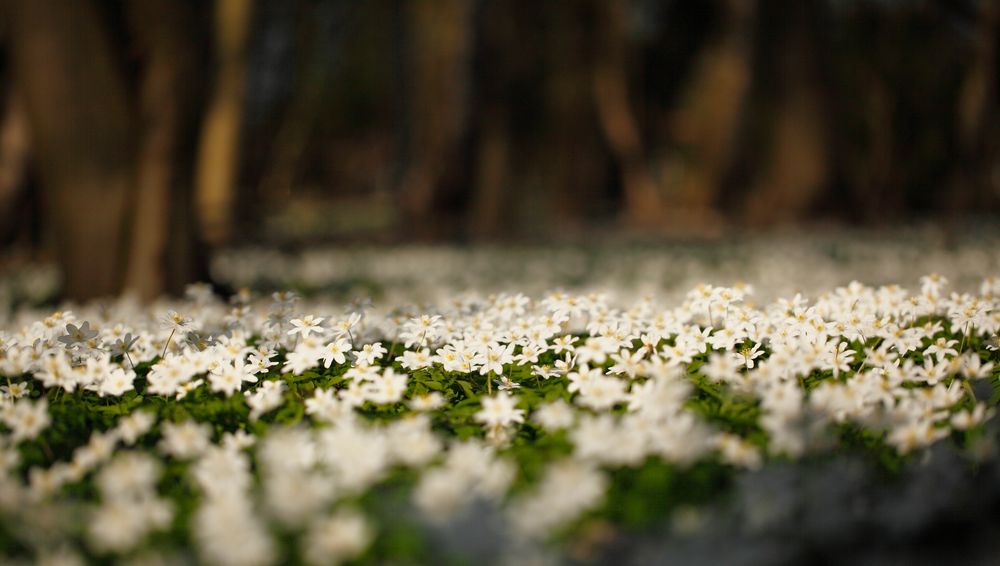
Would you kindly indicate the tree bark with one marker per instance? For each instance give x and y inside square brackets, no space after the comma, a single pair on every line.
[796,167]
[114,169]
[164,253]
[439,37]
[975,122]
[219,146]
[643,206]
[706,124]
[15,150]
[82,126]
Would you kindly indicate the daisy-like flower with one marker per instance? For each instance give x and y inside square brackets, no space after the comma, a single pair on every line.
[306,325]
[265,398]
[545,371]
[974,368]
[414,360]
[186,439]
[228,378]
[427,401]
[369,353]
[387,387]
[27,419]
[239,440]
[77,334]
[562,344]
[493,359]
[175,321]
[337,538]
[261,361]
[117,383]
[343,327]
[505,384]
[15,390]
[499,411]
[965,419]
[123,345]
[336,351]
[325,406]
[554,416]
[747,356]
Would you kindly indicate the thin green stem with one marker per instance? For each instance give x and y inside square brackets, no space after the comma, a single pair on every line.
[167,345]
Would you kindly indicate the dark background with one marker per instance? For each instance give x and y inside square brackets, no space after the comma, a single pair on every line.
[138,136]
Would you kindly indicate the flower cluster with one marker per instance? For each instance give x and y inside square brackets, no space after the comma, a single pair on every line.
[266,431]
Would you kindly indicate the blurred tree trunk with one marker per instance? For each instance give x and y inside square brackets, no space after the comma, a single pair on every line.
[83,130]
[117,178]
[976,118]
[163,248]
[643,206]
[494,34]
[491,174]
[707,122]
[796,167]
[571,159]
[319,35]
[218,150]
[15,150]
[438,72]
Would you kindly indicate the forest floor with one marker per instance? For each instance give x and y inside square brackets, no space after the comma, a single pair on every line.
[782,400]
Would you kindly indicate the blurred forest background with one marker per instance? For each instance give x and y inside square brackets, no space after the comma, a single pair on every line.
[135,136]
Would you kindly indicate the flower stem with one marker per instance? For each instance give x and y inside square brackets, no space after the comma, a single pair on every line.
[167,345]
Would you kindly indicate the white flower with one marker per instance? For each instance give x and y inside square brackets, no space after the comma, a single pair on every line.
[325,406]
[175,321]
[387,388]
[499,411]
[747,356]
[505,384]
[117,382]
[16,390]
[185,440]
[337,538]
[77,334]
[369,353]
[306,325]
[265,398]
[567,489]
[554,416]
[336,351]
[427,401]
[965,419]
[133,426]
[494,357]
[239,440]
[229,377]
[27,419]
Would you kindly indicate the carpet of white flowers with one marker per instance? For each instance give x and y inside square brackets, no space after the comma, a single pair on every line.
[275,429]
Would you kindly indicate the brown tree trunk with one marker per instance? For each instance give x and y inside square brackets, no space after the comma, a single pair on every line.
[163,251]
[15,148]
[82,126]
[439,69]
[115,174]
[798,161]
[707,122]
[492,165]
[643,207]
[976,115]
[218,149]
[570,159]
